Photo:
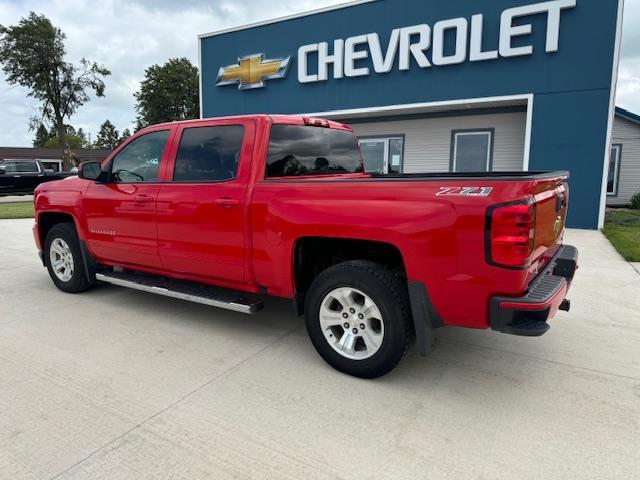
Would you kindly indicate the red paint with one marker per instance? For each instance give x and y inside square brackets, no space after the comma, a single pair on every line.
[242,233]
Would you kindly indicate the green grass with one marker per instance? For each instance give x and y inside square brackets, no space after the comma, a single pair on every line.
[16,210]
[622,228]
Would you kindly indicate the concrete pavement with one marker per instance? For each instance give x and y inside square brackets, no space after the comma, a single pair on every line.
[120,384]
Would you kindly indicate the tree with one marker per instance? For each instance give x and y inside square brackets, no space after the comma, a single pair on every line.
[84,143]
[42,135]
[73,140]
[168,92]
[125,134]
[32,54]
[107,136]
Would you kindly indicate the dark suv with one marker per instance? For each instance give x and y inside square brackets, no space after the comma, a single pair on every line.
[21,177]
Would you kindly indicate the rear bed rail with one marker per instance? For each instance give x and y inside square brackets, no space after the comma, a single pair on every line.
[494,176]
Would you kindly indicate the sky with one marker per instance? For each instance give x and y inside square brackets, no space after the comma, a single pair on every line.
[129,36]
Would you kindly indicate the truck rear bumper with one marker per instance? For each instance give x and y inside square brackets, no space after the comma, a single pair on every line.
[528,315]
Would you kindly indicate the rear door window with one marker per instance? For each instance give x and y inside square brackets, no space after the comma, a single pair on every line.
[27,167]
[209,154]
[306,150]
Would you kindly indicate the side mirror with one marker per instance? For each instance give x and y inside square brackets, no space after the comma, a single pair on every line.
[2,169]
[90,170]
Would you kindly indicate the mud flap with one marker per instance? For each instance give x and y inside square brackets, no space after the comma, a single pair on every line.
[425,318]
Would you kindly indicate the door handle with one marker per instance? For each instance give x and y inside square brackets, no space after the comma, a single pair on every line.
[143,198]
[227,202]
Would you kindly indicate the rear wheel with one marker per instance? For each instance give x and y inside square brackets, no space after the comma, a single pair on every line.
[357,315]
[64,259]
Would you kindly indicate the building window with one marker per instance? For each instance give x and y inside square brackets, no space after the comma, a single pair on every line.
[614,170]
[471,150]
[382,154]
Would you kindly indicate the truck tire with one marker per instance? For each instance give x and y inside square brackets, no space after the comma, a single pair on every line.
[358,317]
[63,259]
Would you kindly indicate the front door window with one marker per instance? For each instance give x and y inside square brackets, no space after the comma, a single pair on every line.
[139,160]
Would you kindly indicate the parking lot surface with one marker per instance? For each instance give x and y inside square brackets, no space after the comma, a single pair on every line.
[120,384]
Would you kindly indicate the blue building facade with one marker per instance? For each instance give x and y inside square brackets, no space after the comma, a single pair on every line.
[410,67]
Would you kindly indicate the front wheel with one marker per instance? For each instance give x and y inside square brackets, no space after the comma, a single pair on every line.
[358,317]
[64,260]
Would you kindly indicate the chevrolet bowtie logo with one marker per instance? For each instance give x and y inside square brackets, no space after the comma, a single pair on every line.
[251,71]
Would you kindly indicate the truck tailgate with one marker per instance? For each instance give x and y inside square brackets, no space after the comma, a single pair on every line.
[550,202]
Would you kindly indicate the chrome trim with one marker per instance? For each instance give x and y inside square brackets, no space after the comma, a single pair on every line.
[234,306]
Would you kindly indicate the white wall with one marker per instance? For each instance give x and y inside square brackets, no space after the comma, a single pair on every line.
[428,141]
[628,134]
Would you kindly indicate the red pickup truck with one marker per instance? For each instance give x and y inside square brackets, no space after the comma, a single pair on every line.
[222,211]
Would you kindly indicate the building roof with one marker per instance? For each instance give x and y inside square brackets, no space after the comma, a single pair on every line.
[51,153]
[627,115]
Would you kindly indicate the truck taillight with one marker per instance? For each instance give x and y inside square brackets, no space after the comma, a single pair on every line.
[510,235]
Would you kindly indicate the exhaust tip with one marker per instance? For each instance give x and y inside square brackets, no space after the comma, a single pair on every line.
[565,305]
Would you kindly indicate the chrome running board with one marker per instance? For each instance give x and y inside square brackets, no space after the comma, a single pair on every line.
[183,290]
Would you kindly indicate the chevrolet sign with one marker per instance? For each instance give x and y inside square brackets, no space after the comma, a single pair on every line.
[359,55]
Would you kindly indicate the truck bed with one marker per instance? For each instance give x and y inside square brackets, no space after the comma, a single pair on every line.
[438,222]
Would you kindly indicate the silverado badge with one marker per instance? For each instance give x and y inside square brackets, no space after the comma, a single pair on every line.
[252,70]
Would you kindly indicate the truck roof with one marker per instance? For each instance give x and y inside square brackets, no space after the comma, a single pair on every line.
[275,118]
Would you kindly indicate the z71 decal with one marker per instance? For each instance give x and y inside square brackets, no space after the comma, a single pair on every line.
[464,191]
